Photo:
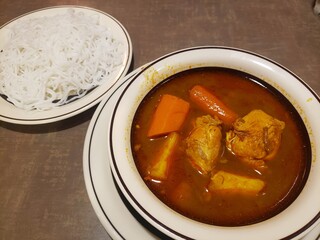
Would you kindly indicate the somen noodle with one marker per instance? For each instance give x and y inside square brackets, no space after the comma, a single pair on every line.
[51,61]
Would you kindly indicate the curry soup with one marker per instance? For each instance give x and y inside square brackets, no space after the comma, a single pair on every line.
[186,188]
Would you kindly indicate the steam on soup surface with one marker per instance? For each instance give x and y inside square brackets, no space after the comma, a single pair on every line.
[220,146]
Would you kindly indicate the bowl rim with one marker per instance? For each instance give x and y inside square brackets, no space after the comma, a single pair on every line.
[171,231]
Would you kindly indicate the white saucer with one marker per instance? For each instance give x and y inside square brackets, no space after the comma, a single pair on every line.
[314,234]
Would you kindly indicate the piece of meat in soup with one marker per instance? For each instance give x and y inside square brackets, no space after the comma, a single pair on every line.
[203,143]
[256,136]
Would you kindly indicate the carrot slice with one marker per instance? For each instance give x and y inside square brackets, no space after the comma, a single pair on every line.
[169,115]
[161,164]
[211,104]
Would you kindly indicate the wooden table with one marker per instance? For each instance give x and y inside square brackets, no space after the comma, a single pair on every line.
[42,190]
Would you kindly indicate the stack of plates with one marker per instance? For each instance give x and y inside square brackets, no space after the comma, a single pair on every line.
[114,212]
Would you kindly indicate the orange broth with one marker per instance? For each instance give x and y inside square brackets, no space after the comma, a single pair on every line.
[185,189]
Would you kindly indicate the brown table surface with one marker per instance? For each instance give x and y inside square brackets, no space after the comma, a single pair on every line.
[42,190]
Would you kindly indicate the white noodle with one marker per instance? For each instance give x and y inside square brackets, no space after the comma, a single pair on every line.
[50,61]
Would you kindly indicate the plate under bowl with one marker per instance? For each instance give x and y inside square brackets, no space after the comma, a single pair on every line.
[292,223]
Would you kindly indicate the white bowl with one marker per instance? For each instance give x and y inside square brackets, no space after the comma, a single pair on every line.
[292,223]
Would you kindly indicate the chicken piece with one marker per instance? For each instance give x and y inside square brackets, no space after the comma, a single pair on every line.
[203,143]
[255,137]
[233,183]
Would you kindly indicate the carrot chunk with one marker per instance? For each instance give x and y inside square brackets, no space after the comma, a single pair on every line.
[209,103]
[169,115]
[161,164]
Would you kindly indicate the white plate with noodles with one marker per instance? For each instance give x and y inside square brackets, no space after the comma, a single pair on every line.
[58,62]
